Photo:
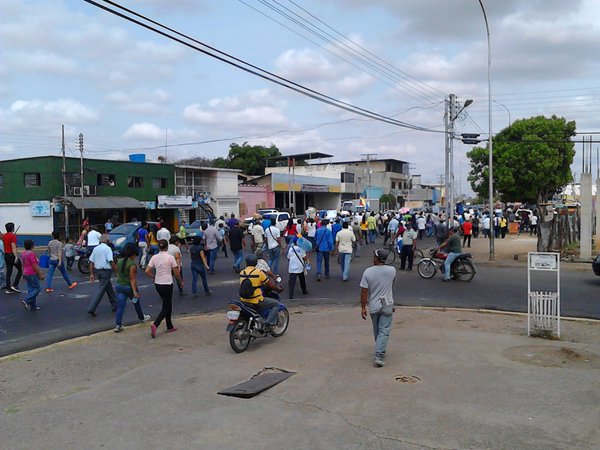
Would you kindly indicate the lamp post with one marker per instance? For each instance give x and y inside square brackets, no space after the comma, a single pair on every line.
[490,145]
[507,110]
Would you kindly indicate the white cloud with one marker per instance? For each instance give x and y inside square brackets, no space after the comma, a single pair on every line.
[307,66]
[144,132]
[24,113]
[140,102]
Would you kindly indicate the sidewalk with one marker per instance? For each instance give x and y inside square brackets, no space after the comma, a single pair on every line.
[480,383]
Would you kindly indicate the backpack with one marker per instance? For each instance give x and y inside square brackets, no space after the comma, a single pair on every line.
[246,287]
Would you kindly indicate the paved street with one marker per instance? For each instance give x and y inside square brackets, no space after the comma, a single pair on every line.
[500,285]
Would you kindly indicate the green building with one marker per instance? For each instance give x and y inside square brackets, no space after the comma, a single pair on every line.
[32,193]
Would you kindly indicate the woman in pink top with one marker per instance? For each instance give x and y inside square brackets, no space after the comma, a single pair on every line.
[32,274]
[161,269]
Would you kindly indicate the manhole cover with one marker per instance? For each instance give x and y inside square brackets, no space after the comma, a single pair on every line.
[410,379]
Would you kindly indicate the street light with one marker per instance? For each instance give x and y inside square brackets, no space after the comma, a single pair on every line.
[507,110]
[490,147]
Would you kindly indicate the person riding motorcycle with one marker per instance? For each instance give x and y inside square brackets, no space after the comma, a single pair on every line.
[453,250]
[259,279]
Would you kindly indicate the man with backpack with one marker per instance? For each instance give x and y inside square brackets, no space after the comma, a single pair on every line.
[252,279]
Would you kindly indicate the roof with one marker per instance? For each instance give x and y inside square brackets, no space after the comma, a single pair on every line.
[104,202]
[372,160]
[299,157]
[220,169]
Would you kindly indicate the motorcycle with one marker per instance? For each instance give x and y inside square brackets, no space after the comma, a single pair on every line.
[83,259]
[462,268]
[246,324]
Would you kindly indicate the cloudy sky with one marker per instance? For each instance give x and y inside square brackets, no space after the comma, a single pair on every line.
[130,90]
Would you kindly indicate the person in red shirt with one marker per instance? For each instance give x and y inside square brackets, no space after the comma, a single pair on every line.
[12,259]
[467,227]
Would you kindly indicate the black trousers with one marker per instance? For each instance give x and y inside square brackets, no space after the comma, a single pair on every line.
[12,261]
[406,254]
[166,294]
[292,283]
[467,240]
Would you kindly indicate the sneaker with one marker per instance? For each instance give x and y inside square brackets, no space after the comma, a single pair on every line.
[208,293]
[49,290]
[118,328]
[378,362]
[153,331]
[74,284]
[146,318]
[172,330]
[182,293]
[8,291]
[34,308]
[15,289]
[26,305]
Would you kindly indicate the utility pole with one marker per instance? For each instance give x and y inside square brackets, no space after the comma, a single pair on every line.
[81,175]
[64,172]
[453,114]
[368,155]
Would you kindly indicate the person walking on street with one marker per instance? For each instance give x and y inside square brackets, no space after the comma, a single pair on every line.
[258,236]
[441,232]
[372,227]
[102,262]
[323,247]
[212,242]
[152,243]
[296,266]
[409,243]
[533,225]
[344,241]
[182,234]
[108,226]
[199,265]
[143,244]
[163,233]
[377,293]
[467,228]
[12,259]
[175,251]
[55,250]
[274,245]
[161,269]
[69,251]
[358,238]
[421,225]
[33,275]
[237,244]
[223,232]
[126,286]
[2,263]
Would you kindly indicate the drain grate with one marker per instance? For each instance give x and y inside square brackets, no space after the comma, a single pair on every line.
[410,379]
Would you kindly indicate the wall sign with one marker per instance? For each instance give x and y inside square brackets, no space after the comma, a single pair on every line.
[39,208]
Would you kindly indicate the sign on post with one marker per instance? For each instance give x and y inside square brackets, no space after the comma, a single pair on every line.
[543,307]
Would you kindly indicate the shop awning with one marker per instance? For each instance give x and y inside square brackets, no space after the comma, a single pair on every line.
[104,202]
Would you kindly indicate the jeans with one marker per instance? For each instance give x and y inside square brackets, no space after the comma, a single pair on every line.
[239,259]
[51,268]
[33,289]
[12,261]
[372,235]
[345,263]
[273,259]
[382,325]
[143,254]
[320,257]
[273,306]
[2,276]
[406,254]
[166,294]
[152,251]
[292,283]
[212,257]
[106,287]
[448,262]
[198,269]
[123,293]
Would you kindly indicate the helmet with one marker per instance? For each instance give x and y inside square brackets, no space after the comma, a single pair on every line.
[251,260]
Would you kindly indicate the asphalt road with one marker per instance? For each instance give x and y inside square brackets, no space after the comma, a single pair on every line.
[63,314]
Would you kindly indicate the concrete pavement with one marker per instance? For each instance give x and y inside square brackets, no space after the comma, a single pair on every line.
[478,382]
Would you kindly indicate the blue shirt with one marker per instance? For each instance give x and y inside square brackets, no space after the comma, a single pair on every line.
[142,233]
[335,228]
[323,239]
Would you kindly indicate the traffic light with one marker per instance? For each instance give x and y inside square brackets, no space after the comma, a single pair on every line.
[470,138]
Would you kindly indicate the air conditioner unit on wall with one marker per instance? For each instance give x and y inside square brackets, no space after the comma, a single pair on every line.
[77,191]
[87,191]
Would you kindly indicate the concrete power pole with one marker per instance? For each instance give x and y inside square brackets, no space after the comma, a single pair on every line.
[81,175]
[64,173]
[368,156]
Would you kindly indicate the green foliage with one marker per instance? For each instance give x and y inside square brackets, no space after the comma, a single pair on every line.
[250,159]
[389,199]
[531,160]
[198,161]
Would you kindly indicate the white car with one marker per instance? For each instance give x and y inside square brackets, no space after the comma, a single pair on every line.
[281,219]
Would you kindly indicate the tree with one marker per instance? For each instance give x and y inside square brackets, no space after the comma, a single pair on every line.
[250,159]
[531,160]
[198,161]
[388,199]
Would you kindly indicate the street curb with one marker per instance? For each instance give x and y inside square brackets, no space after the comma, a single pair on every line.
[293,310]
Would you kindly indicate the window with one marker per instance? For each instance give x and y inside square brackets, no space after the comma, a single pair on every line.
[105,179]
[32,179]
[159,183]
[1,181]
[73,179]
[393,185]
[347,177]
[135,182]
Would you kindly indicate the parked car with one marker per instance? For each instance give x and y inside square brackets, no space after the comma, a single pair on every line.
[262,212]
[281,219]
[126,233]
[194,229]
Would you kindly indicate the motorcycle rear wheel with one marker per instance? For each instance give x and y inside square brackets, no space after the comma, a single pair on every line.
[426,268]
[283,320]
[239,338]
[83,264]
[464,270]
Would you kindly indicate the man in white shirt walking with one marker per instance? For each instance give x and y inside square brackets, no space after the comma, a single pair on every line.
[101,261]
[344,241]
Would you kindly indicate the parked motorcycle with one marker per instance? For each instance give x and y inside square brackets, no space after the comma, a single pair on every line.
[246,323]
[462,268]
[82,255]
